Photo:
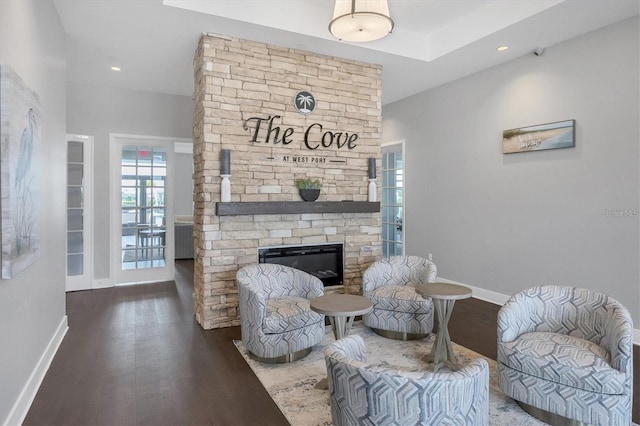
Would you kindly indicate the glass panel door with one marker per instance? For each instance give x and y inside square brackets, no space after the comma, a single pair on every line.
[143,182]
[392,200]
[141,203]
[79,159]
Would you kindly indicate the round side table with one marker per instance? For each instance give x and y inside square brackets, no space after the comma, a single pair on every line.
[444,296]
[341,309]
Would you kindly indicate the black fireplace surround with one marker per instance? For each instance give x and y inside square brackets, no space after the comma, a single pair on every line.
[324,261]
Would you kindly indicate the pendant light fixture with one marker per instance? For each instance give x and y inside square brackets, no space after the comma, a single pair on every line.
[361,20]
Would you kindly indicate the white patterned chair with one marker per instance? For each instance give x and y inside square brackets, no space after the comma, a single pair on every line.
[398,311]
[376,395]
[276,321]
[567,351]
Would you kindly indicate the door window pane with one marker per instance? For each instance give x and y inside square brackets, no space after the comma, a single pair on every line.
[74,264]
[74,242]
[74,174]
[75,152]
[74,220]
[74,197]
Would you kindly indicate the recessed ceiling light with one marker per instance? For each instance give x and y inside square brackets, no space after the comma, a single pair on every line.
[502,48]
[115,68]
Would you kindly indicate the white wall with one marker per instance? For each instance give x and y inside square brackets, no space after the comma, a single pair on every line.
[32,304]
[183,203]
[99,111]
[507,222]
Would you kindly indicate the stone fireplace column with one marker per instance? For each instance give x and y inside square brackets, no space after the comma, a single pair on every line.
[245,95]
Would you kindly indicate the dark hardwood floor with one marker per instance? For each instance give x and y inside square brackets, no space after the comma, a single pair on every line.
[135,355]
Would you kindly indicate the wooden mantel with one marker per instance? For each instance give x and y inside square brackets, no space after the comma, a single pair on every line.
[295,207]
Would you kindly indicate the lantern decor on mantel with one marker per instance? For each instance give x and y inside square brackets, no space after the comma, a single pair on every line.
[225,174]
[372,180]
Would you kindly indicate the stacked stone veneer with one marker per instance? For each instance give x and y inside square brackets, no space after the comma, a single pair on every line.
[239,79]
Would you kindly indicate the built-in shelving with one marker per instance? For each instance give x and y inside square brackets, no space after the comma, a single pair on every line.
[295,207]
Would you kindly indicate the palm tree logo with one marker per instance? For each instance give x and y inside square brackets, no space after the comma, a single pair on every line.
[305,102]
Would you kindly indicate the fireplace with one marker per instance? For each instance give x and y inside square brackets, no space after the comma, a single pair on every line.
[324,261]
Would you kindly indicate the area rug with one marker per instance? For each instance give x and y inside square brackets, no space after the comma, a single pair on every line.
[292,386]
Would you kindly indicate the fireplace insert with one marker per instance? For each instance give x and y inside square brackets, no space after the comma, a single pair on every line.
[324,261]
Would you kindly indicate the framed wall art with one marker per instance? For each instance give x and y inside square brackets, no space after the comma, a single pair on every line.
[559,134]
[20,173]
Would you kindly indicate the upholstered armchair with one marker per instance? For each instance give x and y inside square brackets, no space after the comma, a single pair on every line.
[398,311]
[276,321]
[366,394]
[566,351]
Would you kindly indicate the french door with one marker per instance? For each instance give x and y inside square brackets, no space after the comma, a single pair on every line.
[393,226]
[79,212]
[142,209]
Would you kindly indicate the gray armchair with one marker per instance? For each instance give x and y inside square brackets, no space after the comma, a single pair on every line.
[398,311]
[375,395]
[276,320]
[566,351]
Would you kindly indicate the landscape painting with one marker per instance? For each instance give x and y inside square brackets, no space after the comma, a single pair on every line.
[560,134]
[20,173]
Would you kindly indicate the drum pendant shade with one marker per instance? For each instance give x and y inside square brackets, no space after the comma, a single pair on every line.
[361,20]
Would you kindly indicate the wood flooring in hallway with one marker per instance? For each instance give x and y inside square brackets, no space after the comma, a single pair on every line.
[134,355]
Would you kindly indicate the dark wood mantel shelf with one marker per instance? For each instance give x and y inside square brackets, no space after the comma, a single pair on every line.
[295,207]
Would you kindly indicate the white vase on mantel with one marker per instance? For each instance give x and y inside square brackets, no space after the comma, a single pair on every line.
[225,189]
[372,190]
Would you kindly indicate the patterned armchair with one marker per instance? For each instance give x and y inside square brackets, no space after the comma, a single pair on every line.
[568,352]
[367,394]
[276,321]
[398,311]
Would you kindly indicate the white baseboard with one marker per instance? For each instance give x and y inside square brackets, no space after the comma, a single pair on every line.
[23,403]
[480,293]
[501,299]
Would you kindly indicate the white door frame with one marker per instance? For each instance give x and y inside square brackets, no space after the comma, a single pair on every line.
[84,281]
[146,275]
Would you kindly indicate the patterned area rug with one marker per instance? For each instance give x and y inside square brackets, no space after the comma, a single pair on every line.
[292,386]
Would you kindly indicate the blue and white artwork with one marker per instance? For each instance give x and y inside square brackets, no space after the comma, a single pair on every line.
[560,134]
[20,177]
